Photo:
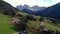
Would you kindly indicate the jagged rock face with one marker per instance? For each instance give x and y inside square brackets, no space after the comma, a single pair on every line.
[53,11]
[6,8]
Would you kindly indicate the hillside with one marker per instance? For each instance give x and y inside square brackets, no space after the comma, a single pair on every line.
[6,8]
[46,23]
[33,22]
[53,11]
[5,11]
[6,28]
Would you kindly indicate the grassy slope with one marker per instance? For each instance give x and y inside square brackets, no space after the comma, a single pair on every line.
[5,27]
[49,26]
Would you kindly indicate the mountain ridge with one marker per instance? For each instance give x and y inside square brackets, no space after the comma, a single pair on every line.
[53,11]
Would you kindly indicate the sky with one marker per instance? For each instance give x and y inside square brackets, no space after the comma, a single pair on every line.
[45,3]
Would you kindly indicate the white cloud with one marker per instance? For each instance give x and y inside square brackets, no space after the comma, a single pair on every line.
[56,0]
[32,2]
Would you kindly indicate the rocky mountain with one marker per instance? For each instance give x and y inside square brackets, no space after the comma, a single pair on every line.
[20,7]
[53,11]
[36,8]
[33,8]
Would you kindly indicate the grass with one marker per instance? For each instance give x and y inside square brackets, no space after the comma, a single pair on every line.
[5,27]
[49,26]
[34,24]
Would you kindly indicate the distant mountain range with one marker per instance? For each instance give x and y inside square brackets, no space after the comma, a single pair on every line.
[33,8]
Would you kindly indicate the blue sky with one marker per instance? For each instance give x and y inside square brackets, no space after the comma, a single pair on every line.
[46,3]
